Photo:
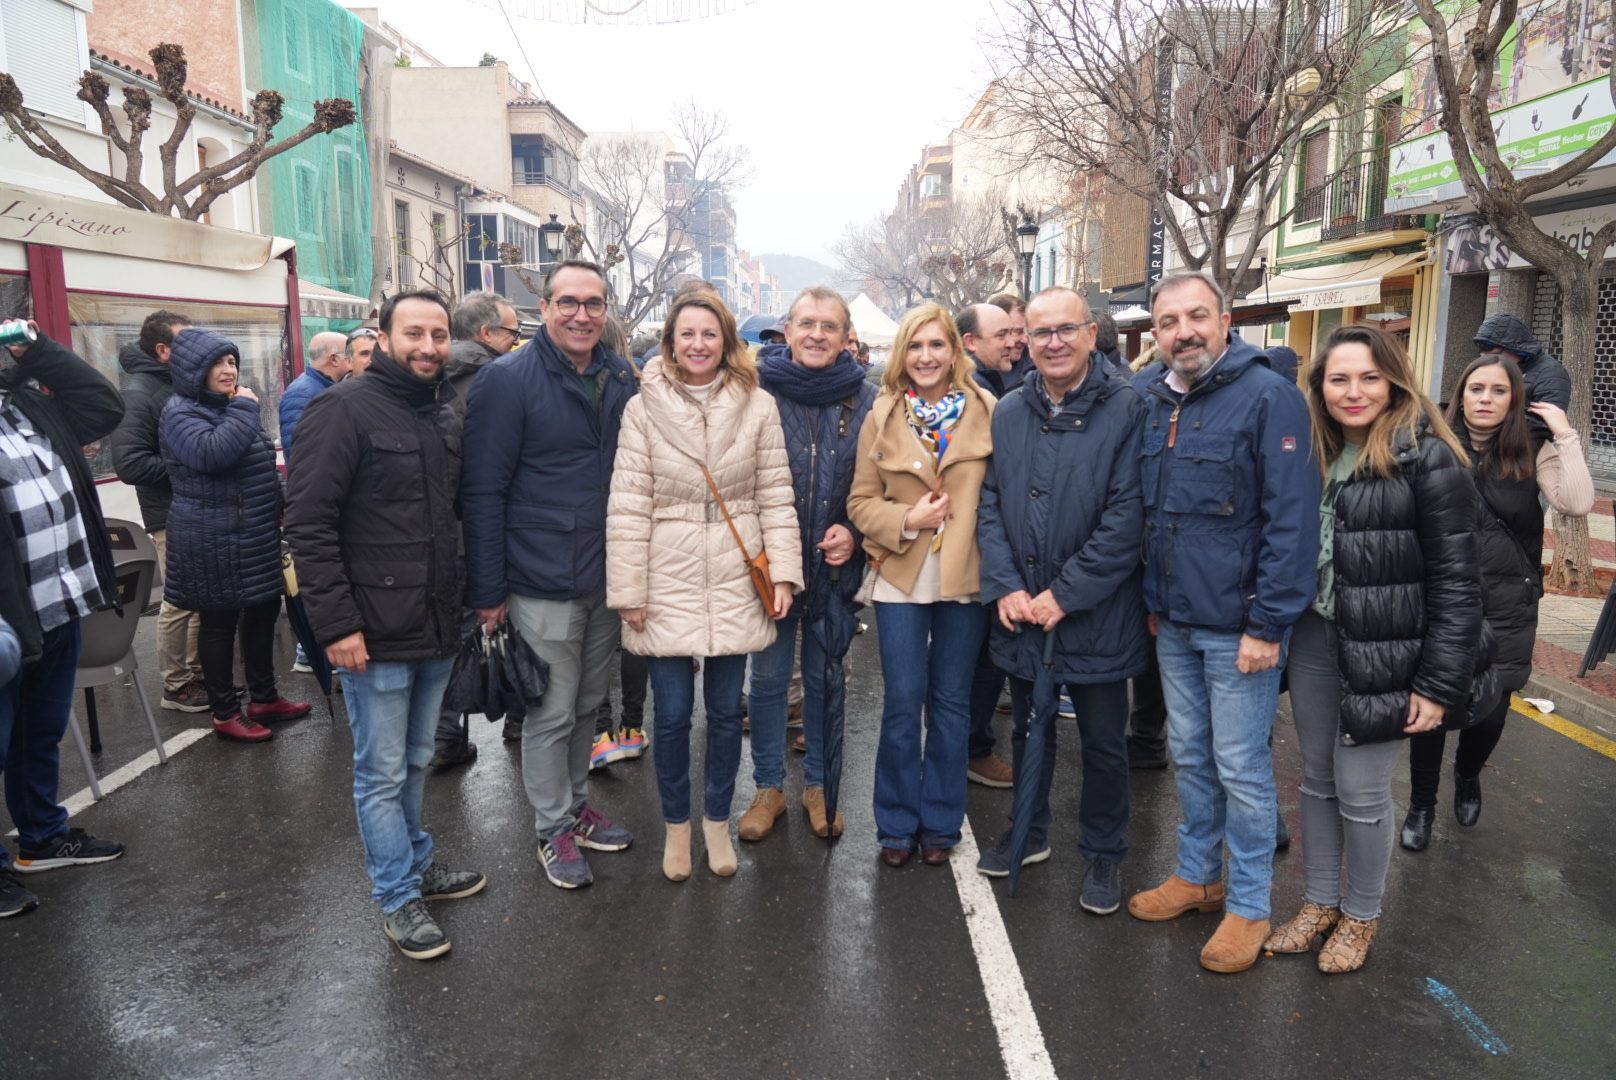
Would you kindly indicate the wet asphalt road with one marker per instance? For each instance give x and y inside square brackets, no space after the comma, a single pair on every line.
[237,937]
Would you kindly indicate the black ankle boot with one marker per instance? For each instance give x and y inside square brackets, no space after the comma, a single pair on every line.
[1417,828]
[1466,798]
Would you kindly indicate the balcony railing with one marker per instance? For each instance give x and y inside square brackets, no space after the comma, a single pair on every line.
[1353,203]
[522,178]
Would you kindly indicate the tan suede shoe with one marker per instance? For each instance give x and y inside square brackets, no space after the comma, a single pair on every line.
[676,852]
[767,806]
[1305,931]
[1348,948]
[1236,945]
[813,801]
[1173,898]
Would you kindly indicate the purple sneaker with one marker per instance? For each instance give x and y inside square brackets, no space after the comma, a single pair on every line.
[596,832]
[564,864]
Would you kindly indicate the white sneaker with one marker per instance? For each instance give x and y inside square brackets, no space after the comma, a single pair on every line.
[303,666]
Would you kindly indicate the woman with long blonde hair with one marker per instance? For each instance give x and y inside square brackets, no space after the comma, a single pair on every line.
[1389,647]
[923,453]
[701,459]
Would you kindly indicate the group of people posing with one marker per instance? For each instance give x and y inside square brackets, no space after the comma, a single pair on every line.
[1009,497]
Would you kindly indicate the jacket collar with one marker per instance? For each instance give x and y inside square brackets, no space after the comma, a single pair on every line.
[1236,360]
[1101,382]
[972,440]
[416,393]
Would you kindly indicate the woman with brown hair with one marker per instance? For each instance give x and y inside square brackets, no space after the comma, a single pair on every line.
[1490,414]
[1388,648]
[701,461]
[923,452]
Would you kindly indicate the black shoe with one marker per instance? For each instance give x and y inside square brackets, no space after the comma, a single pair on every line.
[1416,835]
[14,899]
[1144,757]
[1466,798]
[450,754]
[441,883]
[415,932]
[1102,887]
[512,731]
[75,847]
[1282,832]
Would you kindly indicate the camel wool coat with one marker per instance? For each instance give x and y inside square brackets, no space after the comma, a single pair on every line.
[894,473]
[668,548]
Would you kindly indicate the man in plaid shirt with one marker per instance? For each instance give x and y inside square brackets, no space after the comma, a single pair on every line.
[55,568]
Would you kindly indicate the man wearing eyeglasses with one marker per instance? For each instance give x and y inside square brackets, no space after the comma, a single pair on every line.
[484,328]
[541,440]
[1060,525]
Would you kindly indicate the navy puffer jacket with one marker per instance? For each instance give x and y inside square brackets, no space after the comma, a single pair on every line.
[224,548]
[1061,510]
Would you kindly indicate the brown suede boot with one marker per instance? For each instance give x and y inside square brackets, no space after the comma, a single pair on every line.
[766,808]
[1173,898]
[1236,945]
[1303,933]
[813,801]
[1348,948]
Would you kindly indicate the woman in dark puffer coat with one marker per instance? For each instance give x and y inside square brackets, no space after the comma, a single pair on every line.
[1389,647]
[224,557]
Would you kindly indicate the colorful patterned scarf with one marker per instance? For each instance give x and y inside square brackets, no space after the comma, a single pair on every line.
[934,426]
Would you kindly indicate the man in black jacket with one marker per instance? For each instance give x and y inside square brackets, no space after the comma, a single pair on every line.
[1545,377]
[371,517]
[55,568]
[139,463]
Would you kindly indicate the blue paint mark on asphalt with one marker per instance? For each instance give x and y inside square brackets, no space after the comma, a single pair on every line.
[1467,1018]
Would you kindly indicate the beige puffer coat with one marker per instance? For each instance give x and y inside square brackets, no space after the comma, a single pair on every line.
[668,548]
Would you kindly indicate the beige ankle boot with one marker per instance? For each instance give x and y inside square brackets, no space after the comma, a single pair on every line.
[676,852]
[720,852]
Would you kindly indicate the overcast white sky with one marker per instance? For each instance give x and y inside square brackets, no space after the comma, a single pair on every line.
[833,98]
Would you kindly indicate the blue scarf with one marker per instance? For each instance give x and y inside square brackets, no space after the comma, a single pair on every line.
[784,377]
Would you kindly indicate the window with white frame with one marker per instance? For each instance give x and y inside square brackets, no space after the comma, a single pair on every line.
[43,47]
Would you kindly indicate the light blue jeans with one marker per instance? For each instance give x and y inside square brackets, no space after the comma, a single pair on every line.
[767,701]
[393,711]
[1219,723]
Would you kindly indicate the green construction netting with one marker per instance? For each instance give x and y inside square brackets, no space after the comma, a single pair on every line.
[319,192]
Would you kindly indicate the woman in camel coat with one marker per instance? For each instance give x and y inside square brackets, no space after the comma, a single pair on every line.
[673,567]
[923,453]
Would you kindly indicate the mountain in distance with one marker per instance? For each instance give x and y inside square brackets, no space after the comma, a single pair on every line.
[798,272]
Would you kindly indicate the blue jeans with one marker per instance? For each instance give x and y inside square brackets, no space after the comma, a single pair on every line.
[928,657]
[771,681]
[1219,727]
[34,708]
[393,711]
[673,690]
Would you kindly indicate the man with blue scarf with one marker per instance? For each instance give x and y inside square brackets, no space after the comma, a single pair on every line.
[823,399]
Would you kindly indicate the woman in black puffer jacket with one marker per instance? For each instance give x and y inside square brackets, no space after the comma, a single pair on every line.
[224,557]
[1389,647]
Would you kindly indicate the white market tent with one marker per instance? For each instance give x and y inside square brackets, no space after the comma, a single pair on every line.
[874,326]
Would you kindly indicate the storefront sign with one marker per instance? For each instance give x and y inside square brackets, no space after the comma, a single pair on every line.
[37,217]
[1475,248]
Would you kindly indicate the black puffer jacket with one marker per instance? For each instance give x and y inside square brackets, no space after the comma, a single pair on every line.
[371,513]
[1509,547]
[136,456]
[1408,596]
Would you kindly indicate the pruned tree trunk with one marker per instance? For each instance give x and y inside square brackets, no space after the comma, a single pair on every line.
[1572,570]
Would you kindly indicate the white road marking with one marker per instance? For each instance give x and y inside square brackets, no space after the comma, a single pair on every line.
[1021,1040]
[117,778]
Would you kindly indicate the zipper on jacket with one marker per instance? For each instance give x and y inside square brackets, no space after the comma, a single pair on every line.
[1172,425]
[813,478]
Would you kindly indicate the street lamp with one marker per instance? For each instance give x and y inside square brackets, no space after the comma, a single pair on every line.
[1027,242]
[551,234]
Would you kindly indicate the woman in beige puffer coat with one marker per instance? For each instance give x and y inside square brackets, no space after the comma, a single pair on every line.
[673,567]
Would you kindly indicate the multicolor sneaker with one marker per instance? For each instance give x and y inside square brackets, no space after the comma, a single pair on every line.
[606,750]
[598,833]
[632,742]
[75,847]
[192,697]
[438,882]
[564,864]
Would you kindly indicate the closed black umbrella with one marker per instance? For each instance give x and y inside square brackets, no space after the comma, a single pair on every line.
[303,630]
[1030,768]
[834,629]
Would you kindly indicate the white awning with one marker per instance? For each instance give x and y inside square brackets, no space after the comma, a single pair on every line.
[1347,284]
[319,302]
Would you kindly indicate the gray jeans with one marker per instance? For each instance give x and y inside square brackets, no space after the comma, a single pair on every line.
[578,639]
[1346,790]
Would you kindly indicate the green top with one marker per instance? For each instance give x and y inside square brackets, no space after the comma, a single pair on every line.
[1340,469]
[592,384]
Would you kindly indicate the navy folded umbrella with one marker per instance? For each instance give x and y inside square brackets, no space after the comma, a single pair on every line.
[1030,768]
[834,629]
[298,617]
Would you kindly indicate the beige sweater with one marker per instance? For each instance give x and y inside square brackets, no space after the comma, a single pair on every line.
[1562,473]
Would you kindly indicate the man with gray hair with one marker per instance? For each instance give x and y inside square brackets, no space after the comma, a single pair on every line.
[484,328]
[1231,493]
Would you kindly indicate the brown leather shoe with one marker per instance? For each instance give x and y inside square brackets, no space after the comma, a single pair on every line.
[1236,945]
[813,801]
[896,856]
[1348,948]
[1173,898]
[1303,933]
[936,856]
[989,771]
[766,808]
